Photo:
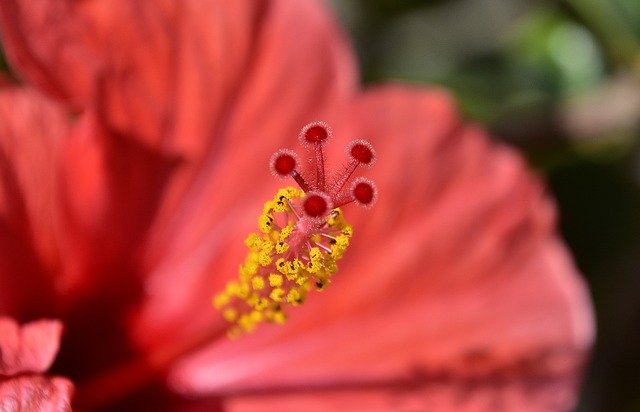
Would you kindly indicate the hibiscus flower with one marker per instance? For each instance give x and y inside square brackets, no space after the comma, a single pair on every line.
[134,162]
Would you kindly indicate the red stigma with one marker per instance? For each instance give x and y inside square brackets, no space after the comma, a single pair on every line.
[362,152]
[316,205]
[327,189]
[364,191]
[283,162]
[317,133]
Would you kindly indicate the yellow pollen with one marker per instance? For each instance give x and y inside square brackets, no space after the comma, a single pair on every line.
[277,294]
[257,283]
[276,273]
[275,280]
[286,232]
[230,314]
[294,297]
[280,317]
[264,258]
[281,247]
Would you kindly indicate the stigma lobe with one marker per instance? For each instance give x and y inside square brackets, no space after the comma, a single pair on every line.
[283,163]
[316,133]
[316,204]
[326,191]
[361,152]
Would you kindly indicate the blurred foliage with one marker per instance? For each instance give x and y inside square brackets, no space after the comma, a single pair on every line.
[561,81]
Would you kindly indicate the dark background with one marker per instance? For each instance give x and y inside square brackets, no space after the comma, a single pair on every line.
[561,81]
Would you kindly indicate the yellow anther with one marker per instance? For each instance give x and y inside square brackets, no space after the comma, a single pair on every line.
[276,273]
[266,223]
[258,283]
[252,300]
[342,241]
[267,246]
[256,316]
[335,217]
[338,249]
[249,268]
[330,265]
[280,206]
[275,280]
[277,295]
[315,253]
[347,230]
[280,317]
[295,266]
[302,279]
[264,259]
[286,232]
[316,264]
[288,193]
[295,298]
[243,291]
[253,241]
[261,304]
[247,323]
[232,289]
[282,266]
[282,247]
[221,300]
[230,314]
[321,284]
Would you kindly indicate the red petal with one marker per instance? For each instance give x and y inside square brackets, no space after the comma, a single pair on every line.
[181,75]
[31,133]
[30,348]
[455,277]
[111,187]
[36,393]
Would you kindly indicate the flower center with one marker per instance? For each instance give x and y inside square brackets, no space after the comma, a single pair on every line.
[302,235]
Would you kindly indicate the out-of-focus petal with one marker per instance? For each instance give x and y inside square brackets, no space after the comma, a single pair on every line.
[31,131]
[455,280]
[111,187]
[179,75]
[30,348]
[36,393]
